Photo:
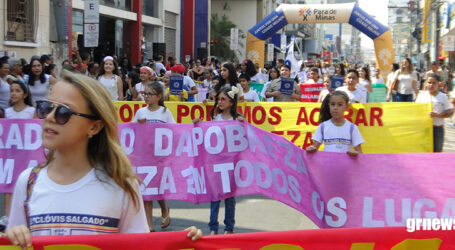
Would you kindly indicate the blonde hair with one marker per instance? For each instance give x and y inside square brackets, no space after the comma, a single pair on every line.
[104,148]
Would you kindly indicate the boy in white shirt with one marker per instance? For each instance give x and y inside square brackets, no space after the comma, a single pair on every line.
[355,95]
[441,109]
[248,94]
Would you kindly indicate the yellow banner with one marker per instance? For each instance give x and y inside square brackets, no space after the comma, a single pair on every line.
[386,127]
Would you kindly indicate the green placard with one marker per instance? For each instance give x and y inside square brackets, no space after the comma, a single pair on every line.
[257,87]
[379,93]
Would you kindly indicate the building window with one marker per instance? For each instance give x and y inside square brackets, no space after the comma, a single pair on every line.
[170,32]
[170,19]
[119,4]
[150,8]
[21,20]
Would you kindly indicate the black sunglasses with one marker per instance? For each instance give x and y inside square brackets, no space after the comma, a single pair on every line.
[62,112]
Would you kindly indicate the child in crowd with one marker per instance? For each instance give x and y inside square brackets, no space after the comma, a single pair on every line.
[145,74]
[208,75]
[188,83]
[182,97]
[225,109]
[314,76]
[212,91]
[337,134]
[229,78]
[108,75]
[249,95]
[355,95]
[86,172]
[441,109]
[155,112]
[274,73]
[20,101]
[132,79]
[273,90]
[21,108]
[326,90]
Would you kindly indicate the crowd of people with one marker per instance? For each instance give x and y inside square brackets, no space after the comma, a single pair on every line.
[35,89]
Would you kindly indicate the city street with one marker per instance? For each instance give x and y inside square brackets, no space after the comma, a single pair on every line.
[449,142]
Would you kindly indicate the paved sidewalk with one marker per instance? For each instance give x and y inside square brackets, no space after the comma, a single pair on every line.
[449,138]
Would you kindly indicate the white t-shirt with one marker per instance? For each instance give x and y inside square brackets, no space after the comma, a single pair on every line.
[111,86]
[95,204]
[390,78]
[264,90]
[140,88]
[219,117]
[311,81]
[256,78]
[338,139]
[26,113]
[251,96]
[440,104]
[375,80]
[4,94]
[363,84]
[405,82]
[207,84]
[356,96]
[159,67]
[39,91]
[188,82]
[324,93]
[157,116]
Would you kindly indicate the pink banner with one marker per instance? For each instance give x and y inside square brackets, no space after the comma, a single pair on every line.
[215,160]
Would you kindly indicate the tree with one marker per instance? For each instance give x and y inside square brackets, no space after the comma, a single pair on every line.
[220,32]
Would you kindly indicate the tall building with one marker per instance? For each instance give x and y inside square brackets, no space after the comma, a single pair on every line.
[400,23]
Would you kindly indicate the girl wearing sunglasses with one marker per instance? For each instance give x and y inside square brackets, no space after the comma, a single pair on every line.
[86,185]
[225,109]
[155,112]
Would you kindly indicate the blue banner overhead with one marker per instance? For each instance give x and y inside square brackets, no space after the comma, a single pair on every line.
[366,23]
[269,25]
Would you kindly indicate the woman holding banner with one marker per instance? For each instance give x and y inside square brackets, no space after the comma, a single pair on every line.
[87,184]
